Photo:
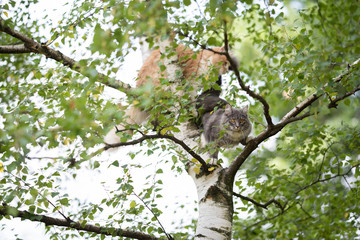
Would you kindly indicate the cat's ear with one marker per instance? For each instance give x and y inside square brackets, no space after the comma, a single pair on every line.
[222,49]
[246,108]
[228,109]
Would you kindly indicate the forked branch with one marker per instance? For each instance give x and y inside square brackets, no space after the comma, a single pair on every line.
[262,205]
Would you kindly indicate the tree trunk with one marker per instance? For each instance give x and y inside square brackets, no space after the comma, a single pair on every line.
[215,205]
[144,47]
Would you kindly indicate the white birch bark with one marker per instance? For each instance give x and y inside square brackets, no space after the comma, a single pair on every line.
[215,205]
[144,48]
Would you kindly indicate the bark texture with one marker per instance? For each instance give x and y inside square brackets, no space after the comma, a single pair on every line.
[215,205]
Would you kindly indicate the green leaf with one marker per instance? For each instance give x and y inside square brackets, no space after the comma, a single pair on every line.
[64,201]
[34,193]
[96,164]
[212,41]
[115,163]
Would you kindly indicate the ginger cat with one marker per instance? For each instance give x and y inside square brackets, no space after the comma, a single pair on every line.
[192,68]
[201,65]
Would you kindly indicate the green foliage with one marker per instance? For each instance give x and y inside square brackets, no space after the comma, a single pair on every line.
[311,168]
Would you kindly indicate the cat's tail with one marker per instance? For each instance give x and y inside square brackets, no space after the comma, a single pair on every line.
[133,116]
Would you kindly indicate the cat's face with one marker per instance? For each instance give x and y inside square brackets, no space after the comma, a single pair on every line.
[237,119]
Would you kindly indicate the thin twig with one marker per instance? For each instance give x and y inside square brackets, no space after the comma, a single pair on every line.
[160,136]
[345,179]
[326,179]
[333,103]
[323,159]
[270,218]
[29,186]
[350,67]
[302,208]
[162,227]
[201,13]
[265,205]
[74,24]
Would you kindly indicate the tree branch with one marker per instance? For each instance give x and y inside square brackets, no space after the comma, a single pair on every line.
[169,237]
[301,106]
[300,190]
[286,209]
[333,103]
[350,67]
[31,46]
[29,186]
[159,136]
[73,24]
[255,142]
[265,205]
[294,119]
[247,89]
[6,210]
[312,98]
[270,218]
[326,179]
[15,49]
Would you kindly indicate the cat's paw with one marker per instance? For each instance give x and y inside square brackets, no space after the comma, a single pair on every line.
[248,139]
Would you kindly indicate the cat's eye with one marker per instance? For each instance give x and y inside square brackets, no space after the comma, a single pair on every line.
[232,120]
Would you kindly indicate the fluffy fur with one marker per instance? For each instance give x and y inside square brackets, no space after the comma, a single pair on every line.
[192,68]
[209,101]
[226,127]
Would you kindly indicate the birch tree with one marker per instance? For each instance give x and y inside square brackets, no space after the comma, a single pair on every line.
[298,176]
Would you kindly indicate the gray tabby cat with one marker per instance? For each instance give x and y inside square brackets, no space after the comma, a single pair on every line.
[226,127]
